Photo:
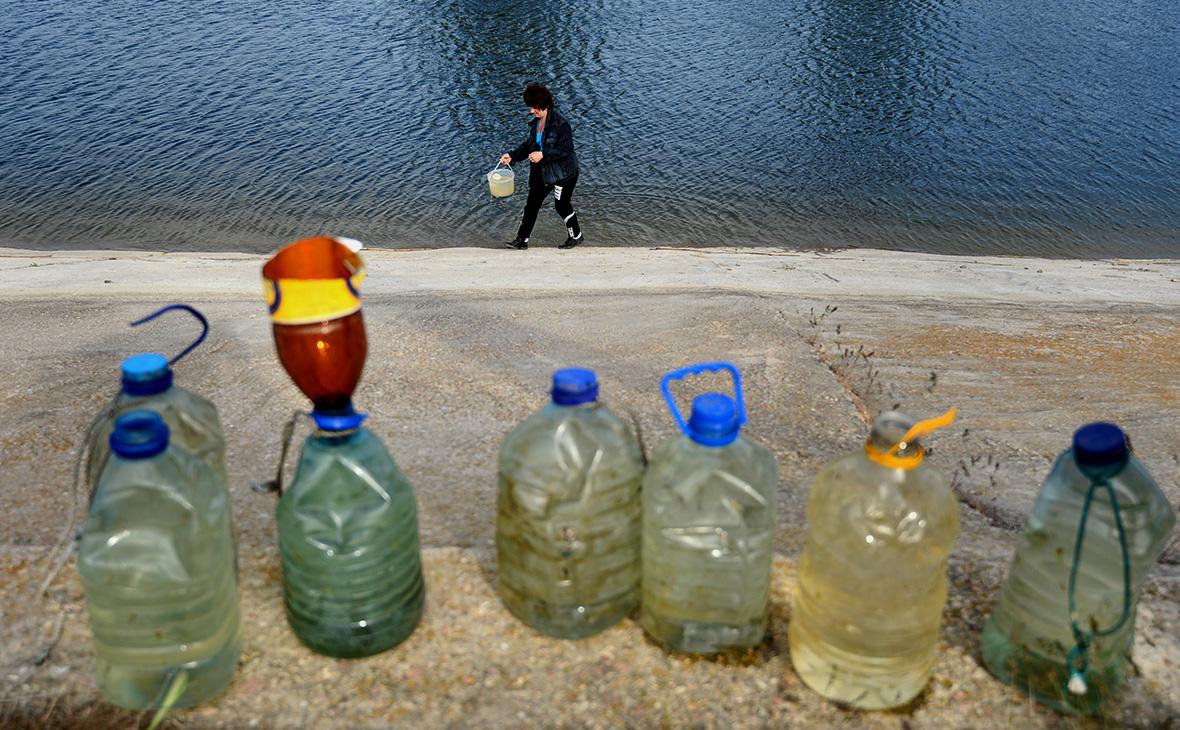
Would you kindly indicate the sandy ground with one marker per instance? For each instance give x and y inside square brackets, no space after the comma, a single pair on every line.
[462,342]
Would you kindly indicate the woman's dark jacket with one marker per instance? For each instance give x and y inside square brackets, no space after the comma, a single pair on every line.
[557,145]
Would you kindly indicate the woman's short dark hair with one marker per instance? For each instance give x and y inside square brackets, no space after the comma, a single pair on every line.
[537,96]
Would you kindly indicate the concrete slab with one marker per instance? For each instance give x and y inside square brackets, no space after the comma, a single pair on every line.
[461,346]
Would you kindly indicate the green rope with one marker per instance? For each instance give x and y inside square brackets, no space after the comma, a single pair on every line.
[1078,660]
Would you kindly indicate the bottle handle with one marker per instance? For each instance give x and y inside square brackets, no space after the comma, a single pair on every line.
[704,367]
[185,308]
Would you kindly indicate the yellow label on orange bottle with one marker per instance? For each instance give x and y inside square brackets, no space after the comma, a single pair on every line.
[313,280]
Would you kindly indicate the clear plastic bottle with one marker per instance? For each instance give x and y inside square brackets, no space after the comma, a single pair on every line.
[708,528]
[568,513]
[1074,659]
[157,563]
[872,579]
[147,385]
[348,538]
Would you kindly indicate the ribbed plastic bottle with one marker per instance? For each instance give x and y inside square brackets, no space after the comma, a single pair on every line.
[147,384]
[1065,623]
[348,538]
[568,513]
[708,527]
[872,579]
[157,563]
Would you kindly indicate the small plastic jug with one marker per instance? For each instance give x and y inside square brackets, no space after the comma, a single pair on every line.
[1065,623]
[147,384]
[568,513]
[348,539]
[501,181]
[157,563]
[708,527]
[872,578]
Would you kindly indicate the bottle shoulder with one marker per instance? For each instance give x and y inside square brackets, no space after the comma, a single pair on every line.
[682,470]
[192,417]
[174,475]
[867,506]
[739,456]
[571,438]
[331,464]
[1142,505]
[1133,485]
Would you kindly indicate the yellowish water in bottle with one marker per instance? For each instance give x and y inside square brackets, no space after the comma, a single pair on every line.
[501,183]
[872,579]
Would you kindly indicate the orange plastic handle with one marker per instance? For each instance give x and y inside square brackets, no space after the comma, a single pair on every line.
[890,457]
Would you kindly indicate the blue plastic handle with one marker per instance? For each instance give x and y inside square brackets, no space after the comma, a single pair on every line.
[704,367]
[185,308]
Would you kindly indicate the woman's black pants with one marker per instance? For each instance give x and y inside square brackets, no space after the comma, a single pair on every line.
[563,193]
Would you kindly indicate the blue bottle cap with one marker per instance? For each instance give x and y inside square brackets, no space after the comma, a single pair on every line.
[714,420]
[338,420]
[139,435]
[1099,444]
[574,386]
[146,374]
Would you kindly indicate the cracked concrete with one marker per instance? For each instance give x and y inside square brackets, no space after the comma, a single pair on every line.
[461,346]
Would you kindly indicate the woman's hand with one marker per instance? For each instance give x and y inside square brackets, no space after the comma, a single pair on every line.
[505,159]
[535,156]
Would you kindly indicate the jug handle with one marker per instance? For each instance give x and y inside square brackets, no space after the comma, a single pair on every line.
[704,367]
[186,308]
[497,167]
[276,485]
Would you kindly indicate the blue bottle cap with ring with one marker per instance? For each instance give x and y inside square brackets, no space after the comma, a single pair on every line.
[139,435]
[716,418]
[146,374]
[1100,444]
[574,386]
[345,419]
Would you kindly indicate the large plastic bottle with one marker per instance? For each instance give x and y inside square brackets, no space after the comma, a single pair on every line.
[708,527]
[568,513]
[157,563]
[147,384]
[872,580]
[1064,626]
[348,538]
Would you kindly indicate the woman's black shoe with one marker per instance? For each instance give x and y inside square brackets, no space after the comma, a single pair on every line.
[518,243]
[571,242]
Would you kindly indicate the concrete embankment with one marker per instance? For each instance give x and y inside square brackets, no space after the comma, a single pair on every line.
[461,344]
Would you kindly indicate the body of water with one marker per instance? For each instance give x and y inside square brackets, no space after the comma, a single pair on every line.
[958,126]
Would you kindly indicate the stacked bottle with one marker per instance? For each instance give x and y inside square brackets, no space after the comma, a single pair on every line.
[348,524]
[568,513]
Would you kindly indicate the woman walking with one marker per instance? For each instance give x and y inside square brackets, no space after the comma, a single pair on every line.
[549,146]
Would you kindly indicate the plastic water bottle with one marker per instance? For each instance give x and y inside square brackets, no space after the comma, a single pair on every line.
[147,384]
[568,513]
[708,527]
[872,578]
[157,563]
[1065,623]
[348,537]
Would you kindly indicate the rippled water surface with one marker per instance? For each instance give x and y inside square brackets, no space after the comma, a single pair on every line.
[970,126]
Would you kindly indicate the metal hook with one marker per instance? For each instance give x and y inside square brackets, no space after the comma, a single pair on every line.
[186,308]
